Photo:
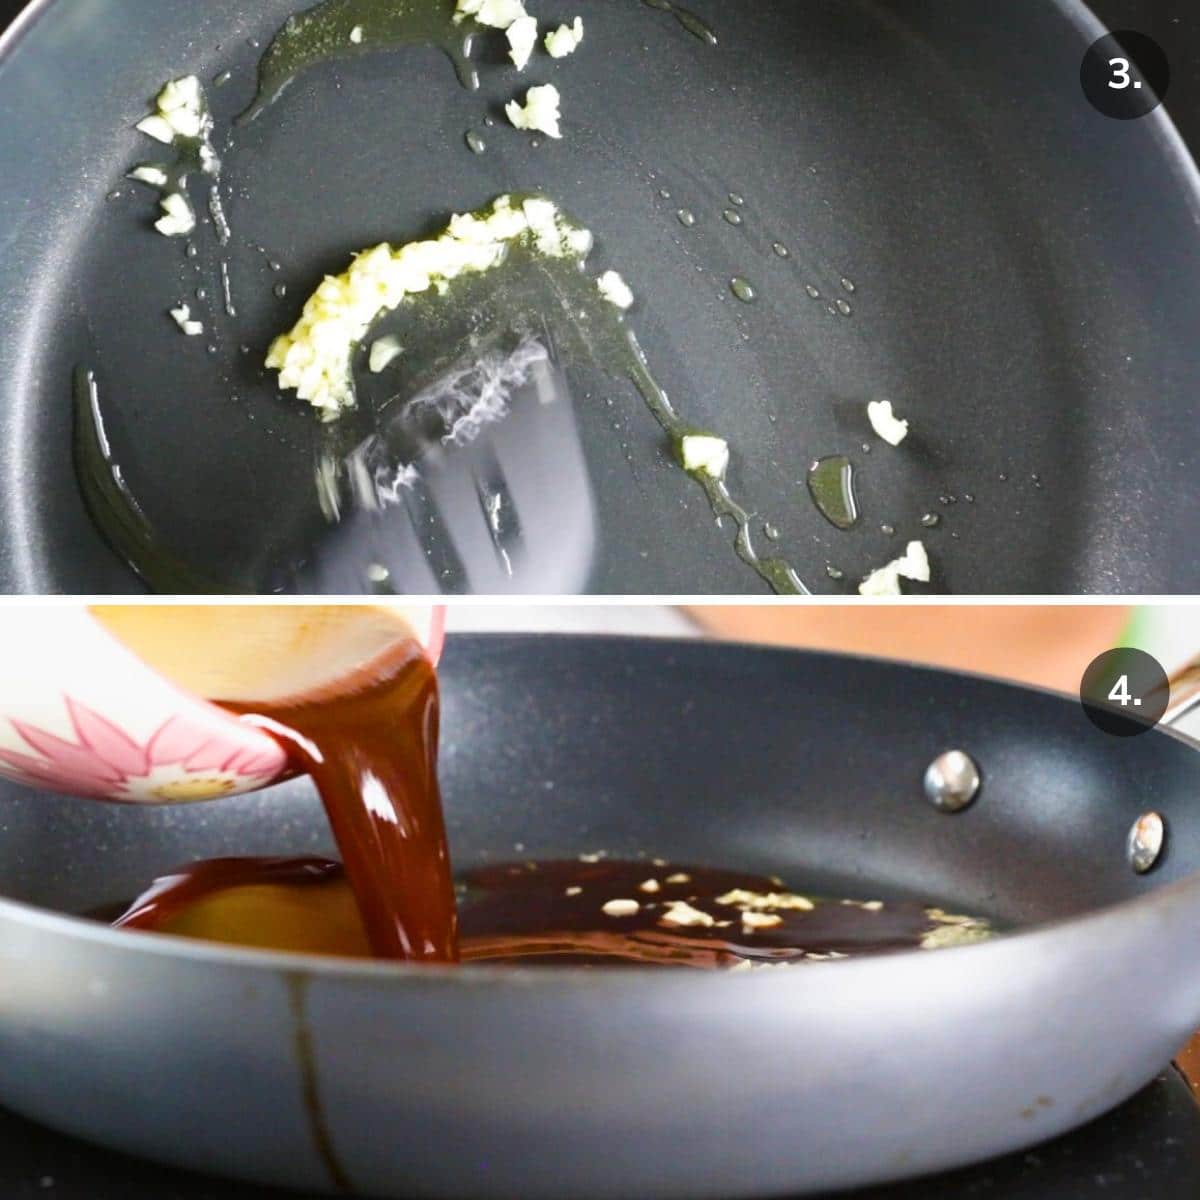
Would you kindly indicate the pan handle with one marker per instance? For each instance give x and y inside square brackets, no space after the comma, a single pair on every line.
[1185,693]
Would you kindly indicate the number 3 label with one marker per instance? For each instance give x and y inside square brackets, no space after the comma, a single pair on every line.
[1121,78]
[1125,75]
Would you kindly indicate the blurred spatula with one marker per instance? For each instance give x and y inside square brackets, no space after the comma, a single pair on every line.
[478,484]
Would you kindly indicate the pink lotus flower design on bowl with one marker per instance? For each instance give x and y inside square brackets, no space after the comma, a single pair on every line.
[185,759]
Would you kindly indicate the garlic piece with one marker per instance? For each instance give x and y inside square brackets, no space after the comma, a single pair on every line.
[886,424]
[565,39]
[914,564]
[539,113]
[522,37]
[704,454]
[183,318]
[615,290]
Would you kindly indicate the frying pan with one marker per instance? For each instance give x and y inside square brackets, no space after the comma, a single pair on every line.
[1026,280]
[394,1081]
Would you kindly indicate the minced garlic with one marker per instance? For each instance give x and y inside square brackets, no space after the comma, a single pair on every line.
[760,920]
[178,219]
[681,913]
[886,581]
[539,113]
[522,37]
[704,454]
[383,353]
[565,39]
[183,318]
[497,14]
[182,114]
[314,358]
[885,422]
[615,290]
[766,900]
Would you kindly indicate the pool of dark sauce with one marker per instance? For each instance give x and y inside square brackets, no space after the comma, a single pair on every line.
[552,913]
[369,742]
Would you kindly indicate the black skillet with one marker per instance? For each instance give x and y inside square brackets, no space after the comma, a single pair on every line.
[1026,282]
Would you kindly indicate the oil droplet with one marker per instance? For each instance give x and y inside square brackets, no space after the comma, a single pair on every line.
[736,200]
[771,533]
[844,308]
[664,193]
[888,530]
[475,143]
[222,79]
[115,194]
[732,216]
[1003,477]
[968,497]
[943,499]
[831,485]
[931,520]
[812,291]
[743,291]
[848,284]
[490,122]
[834,573]
[781,250]
[692,23]
[687,218]
[280,290]
[193,250]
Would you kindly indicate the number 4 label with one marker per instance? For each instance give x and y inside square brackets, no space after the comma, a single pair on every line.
[1120,693]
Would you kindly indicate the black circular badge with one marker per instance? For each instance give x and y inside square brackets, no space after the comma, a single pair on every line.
[1124,692]
[1125,75]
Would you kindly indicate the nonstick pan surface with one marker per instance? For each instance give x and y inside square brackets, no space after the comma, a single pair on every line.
[1025,272]
[286,1069]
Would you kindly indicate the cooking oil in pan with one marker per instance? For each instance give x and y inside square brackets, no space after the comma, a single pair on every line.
[688,19]
[831,485]
[324,33]
[529,296]
[743,290]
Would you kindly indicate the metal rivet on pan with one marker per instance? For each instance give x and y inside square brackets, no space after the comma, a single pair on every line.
[952,781]
[1145,842]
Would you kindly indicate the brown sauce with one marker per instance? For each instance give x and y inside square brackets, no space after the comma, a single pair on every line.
[370,746]
[543,913]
